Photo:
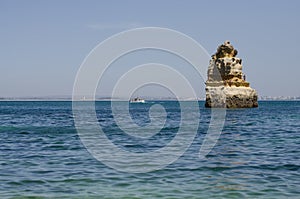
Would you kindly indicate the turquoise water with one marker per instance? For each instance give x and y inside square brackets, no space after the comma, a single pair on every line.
[257,155]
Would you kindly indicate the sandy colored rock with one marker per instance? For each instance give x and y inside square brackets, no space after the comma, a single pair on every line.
[226,85]
[230,97]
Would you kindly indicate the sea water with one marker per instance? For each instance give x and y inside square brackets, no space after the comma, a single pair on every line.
[256,156]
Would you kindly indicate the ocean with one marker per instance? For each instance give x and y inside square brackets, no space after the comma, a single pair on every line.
[256,156]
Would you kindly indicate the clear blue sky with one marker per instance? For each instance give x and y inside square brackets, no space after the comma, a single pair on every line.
[43,43]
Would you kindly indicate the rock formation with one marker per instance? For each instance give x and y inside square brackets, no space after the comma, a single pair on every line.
[226,85]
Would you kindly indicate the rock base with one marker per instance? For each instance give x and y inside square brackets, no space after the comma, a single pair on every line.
[230,97]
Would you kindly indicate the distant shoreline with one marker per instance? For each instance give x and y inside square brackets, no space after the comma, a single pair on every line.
[121,100]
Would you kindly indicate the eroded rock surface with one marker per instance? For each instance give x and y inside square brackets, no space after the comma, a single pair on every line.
[226,85]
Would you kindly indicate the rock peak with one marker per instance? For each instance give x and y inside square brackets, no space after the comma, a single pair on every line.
[225,50]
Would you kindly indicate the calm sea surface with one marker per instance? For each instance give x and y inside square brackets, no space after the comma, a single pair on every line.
[257,155]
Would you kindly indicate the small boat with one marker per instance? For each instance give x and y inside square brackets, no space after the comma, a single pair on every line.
[137,100]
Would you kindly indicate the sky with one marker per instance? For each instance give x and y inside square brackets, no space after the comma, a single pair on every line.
[43,43]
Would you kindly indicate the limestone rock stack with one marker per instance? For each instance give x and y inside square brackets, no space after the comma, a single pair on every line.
[226,85]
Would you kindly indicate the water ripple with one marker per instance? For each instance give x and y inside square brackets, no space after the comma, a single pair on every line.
[257,156]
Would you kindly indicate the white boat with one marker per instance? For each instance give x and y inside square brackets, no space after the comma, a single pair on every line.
[137,100]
